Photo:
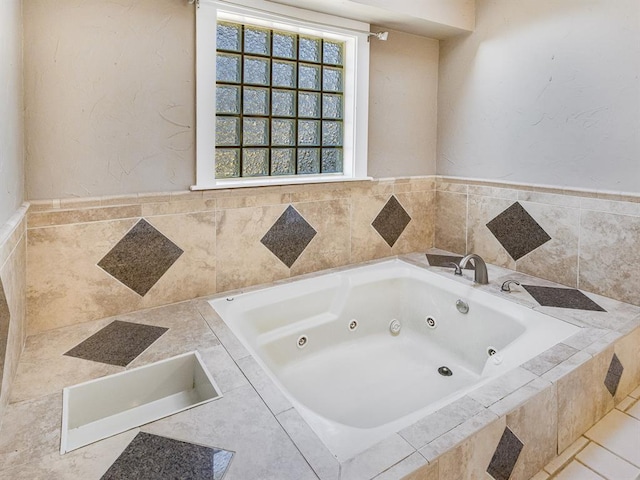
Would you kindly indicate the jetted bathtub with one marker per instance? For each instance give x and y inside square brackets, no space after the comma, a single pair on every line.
[331,344]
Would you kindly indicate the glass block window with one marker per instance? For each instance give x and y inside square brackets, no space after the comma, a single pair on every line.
[279,103]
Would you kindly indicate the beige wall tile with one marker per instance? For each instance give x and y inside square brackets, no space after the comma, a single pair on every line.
[420,232]
[331,246]
[275,198]
[609,255]
[65,284]
[448,185]
[366,242]
[84,215]
[11,233]
[13,276]
[583,398]
[627,350]
[494,192]
[480,240]
[241,259]
[535,424]
[179,206]
[193,274]
[451,222]
[549,198]
[470,459]
[557,259]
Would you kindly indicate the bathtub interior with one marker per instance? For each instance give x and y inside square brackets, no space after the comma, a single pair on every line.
[351,384]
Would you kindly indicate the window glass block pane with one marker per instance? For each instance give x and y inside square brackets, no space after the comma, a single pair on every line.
[283,161]
[228,36]
[255,101]
[309,77]
[227,162]
[332,52]
[227,131]
[308,160]
[256,71]
[331,134]
[331,160]
[284,45]
[283,103]
[332,106]
[255,162]
[256,40]
[284,74]
[308,132]
[309,105]
[332,79]
[228,68]
[309,50]
[255,131]
[283,132]
[227,99]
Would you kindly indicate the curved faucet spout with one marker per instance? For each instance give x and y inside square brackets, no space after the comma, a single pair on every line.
[480,275]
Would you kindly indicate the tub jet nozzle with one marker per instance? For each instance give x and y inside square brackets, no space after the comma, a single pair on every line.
[394,327]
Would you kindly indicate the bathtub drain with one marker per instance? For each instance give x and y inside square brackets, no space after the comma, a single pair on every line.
[445,371]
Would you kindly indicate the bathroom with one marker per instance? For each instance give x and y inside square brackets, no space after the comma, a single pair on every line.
[504,110]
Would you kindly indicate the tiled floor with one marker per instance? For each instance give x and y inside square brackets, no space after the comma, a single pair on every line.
[609,450]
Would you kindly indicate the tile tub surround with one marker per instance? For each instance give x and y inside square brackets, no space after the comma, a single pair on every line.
[13,258]
[517,401]
[594,236]
[270,439]
[105,252]
[594,239]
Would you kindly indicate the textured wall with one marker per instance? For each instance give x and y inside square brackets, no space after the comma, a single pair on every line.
[403,106]
[544,92]
[11,133]
[109,92]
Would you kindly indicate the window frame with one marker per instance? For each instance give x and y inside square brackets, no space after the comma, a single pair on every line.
[281,17]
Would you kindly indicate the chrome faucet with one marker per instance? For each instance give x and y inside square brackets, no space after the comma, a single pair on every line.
[480,275]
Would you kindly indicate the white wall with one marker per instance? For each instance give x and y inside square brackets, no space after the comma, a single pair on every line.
[11,120]
[403,106]
[544,91]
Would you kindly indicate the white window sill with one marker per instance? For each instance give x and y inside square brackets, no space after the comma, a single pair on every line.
[274,181]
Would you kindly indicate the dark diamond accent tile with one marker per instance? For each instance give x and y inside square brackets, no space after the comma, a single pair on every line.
[151,457]
[506,455]
[562,298]
[517,231]
[119,343]
[141,257]
[612,380]
[289,236]
[436,260]
[5,318]
[391,221]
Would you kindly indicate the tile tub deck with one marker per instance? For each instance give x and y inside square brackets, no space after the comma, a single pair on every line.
[565,386]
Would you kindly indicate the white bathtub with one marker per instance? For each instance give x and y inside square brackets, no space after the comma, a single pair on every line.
[356,387]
